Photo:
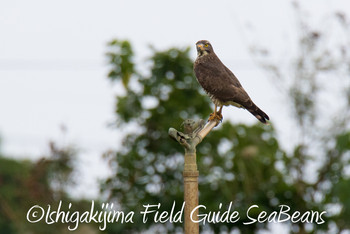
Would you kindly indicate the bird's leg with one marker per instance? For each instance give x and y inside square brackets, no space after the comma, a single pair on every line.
[216,115]
[212,116]
[219,113]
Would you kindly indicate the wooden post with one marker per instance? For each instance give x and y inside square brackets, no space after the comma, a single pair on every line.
[190,175]
[194,132]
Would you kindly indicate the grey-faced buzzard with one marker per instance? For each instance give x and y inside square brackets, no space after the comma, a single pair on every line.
[221,84]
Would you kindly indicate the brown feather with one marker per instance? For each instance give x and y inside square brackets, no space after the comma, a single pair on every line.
[221,84]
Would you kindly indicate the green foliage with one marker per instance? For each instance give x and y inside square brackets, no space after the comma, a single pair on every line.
[324,133]
[122,64]
[148,168]
[11,178]
[238,163]
[24,184]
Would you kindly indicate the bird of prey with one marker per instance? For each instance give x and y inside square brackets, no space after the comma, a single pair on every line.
[221,84]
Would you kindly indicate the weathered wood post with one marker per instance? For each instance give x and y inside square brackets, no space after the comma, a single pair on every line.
[194,132]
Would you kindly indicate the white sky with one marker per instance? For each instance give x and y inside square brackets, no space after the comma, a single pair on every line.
[53,68]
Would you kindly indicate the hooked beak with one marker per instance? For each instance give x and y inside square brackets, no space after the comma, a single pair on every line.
[200,47]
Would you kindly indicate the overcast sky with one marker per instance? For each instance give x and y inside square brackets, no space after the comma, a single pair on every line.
[53,68]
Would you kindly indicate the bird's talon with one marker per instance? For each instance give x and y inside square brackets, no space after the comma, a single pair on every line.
[215,116]
[221,117]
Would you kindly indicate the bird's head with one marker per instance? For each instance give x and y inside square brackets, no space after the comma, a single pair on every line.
[204,47]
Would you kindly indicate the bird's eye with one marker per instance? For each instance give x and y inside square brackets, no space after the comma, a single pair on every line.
[206,45]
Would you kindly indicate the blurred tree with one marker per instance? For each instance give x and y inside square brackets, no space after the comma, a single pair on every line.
[316,85]
[236,162]
[24,184]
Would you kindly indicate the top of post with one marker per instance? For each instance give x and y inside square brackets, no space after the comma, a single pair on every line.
[194,132]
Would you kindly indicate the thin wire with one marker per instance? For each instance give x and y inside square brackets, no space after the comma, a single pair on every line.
[50,64]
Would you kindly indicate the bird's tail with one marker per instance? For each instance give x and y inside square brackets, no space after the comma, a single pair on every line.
[257,112]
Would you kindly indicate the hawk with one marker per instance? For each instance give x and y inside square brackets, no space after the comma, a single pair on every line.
[221,84]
